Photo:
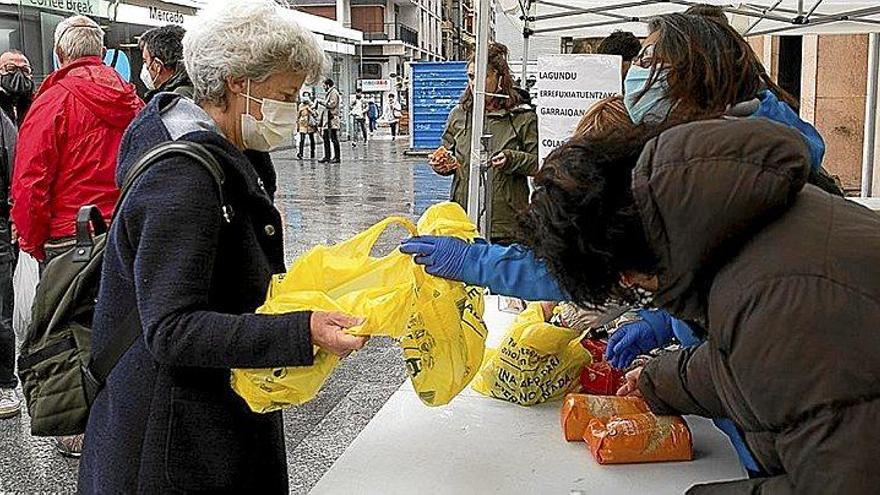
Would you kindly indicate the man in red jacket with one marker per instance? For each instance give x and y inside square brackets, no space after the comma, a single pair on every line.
[66,157]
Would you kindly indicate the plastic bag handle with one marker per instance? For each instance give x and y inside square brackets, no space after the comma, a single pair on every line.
[368,238]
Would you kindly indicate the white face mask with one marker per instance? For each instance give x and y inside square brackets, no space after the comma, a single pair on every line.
[147,78]
[278,124]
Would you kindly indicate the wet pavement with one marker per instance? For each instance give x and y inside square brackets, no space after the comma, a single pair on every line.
[321,204]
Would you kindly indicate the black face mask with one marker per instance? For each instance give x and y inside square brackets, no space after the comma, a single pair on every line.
[16,84]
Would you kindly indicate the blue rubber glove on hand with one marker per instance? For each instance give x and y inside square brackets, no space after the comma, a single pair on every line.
[505,270]
[441,256]
[652,331]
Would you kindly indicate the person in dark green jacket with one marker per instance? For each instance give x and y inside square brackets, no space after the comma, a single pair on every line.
[513,147]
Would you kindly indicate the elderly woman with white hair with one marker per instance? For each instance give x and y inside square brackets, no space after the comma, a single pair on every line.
[189,273]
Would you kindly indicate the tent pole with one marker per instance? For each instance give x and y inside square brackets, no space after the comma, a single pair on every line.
[843,16]
[479,107]
[754,24]
[571,10]
[527,33]
[870,114]
[579,26]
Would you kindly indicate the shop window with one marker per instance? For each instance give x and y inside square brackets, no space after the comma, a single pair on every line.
[10,33]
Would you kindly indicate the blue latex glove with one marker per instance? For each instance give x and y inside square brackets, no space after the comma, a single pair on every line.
[652,331]
[779,111]
[505,270]
[685,334]
[441,256]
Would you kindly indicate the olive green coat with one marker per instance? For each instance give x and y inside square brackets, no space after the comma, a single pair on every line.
[515,132]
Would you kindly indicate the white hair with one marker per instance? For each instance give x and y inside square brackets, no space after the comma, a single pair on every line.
[247,39]
[78,37]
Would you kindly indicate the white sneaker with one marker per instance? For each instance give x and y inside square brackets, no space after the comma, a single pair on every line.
[10,404]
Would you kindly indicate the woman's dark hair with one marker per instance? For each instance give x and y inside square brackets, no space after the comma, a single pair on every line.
[709,66]
[622,43]
[716,14]
[328,82]
[713,12]
[497,64]
[582,220]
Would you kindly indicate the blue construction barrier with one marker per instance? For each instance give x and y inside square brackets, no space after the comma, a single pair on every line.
[436,89]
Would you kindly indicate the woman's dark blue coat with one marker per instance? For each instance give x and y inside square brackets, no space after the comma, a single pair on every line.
[167,420]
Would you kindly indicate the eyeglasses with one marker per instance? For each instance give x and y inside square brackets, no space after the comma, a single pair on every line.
[10,67]
[645,58]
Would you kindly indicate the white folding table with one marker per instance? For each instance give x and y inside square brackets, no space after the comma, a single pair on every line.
[480,445]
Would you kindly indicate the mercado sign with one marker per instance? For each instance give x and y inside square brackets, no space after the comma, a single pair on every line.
[166,16]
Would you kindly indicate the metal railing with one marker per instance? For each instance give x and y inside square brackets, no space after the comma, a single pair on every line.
[390,31]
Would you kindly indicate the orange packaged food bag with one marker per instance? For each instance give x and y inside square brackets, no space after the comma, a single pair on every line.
[641,437]
[579,409]
[440,154]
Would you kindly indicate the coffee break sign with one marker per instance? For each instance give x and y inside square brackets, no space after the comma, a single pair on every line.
[82,7]
[568,85]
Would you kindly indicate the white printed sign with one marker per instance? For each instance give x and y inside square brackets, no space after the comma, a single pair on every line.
[375,85]
[567,86]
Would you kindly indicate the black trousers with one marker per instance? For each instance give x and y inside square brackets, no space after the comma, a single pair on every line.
[360,126]
[331,136]
[393,130]
[302,141]
[7,336]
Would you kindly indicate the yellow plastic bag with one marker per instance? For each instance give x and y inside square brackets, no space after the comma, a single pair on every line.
[438,322]
[536,362]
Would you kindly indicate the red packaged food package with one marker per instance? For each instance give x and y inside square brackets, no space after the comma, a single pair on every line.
[578,410]
[639,438]
[601,379]
[596,348]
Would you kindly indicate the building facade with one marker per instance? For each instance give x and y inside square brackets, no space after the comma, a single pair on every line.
[828,74]
[29,26]
[395,32]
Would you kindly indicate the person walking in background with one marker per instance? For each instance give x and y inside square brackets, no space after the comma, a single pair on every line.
[163,68]
[372,114]
[392,113]
[16,97]
[330,122]
[16,85]
[307,125]
[68,146]
[10,404]
[359,114]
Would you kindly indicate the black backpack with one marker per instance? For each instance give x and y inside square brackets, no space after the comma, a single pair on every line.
[60,378]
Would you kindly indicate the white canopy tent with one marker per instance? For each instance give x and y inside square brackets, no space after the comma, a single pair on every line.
[595,18]
[590,18]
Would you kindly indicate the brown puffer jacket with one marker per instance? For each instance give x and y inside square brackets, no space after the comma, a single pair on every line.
[786,280]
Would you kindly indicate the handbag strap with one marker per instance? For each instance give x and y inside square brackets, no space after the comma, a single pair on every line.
[125,335]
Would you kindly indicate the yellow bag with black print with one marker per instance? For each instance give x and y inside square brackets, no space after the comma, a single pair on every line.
[536,362]
[437,322]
